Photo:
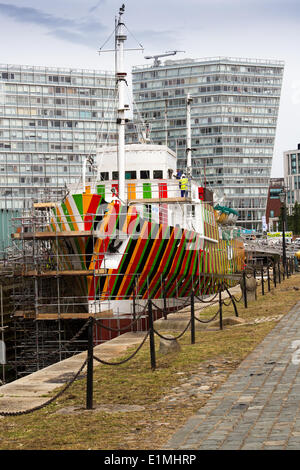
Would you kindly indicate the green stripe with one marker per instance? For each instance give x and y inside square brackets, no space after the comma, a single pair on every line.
[68,218]
[57,218]
[124,256]
[79,204]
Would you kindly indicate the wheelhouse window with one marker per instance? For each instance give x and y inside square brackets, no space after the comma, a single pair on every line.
[157,174]
[130,175]
[145,174]
[104,176]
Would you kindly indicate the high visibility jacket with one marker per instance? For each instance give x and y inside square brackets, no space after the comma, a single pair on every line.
[183,183]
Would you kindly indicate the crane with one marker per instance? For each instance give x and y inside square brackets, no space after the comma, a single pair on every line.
[155,57]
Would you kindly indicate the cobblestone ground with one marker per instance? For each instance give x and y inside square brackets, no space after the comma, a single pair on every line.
[258,407]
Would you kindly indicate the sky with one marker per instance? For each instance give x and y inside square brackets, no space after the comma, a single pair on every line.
[70,33]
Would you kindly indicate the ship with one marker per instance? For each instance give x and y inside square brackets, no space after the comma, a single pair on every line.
[135,233]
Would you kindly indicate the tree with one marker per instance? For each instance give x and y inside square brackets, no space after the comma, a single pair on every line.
[292,221]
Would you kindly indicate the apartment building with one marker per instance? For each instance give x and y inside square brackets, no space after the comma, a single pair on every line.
[50,121]
[291,164]
[233,120]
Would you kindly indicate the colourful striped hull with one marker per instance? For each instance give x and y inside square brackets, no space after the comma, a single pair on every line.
[155,260]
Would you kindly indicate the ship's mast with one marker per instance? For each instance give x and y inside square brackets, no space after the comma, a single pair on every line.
[188,135]
[121,84]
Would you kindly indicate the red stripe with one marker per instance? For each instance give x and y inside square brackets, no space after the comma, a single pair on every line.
[165,259]
[134,260]
[89,217]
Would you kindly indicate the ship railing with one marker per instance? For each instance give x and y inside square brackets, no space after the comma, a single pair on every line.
[143,189]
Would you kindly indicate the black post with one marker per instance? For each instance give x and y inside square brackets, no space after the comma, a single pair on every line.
[134,327]
[268,274]
[192,317]
[262,281]
[151,336]
[274,274]
[254,275]
[165,301]
[279,272]
[245,290]
[283,240]
[220,308]
[233,302]
[89,376]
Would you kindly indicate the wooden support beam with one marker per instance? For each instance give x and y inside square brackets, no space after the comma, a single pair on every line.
[74,316]
[44,205]
[83,272]
[52,235]
[106,314]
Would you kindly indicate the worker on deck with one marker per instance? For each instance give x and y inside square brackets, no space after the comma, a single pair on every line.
[184,185]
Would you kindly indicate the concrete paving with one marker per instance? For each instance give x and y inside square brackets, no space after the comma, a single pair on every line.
[258,407]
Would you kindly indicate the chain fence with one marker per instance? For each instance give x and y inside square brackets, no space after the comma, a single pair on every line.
[222,287]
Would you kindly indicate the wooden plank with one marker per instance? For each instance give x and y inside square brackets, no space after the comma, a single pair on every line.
[24,313]
[70,316]
[83,272]
[44,205]
[64,316]
[49,235]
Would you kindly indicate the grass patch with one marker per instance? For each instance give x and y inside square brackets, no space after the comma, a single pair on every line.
[135,384]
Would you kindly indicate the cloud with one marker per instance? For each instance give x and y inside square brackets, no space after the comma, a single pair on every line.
[82,31]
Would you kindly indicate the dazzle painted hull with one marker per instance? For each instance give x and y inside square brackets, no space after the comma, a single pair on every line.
[131,257]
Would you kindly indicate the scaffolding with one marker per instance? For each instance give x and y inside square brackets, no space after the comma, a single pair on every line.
[49,307]
[50,301]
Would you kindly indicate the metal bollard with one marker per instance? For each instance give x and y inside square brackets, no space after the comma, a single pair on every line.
[262,281]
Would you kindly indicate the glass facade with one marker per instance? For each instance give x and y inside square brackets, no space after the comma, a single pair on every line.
[291,160]
[234,116]
[50,120]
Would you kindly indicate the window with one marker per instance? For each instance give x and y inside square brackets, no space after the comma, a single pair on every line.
[145,174]
[115,175]
[157,174]
[104,175]
[130,175]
